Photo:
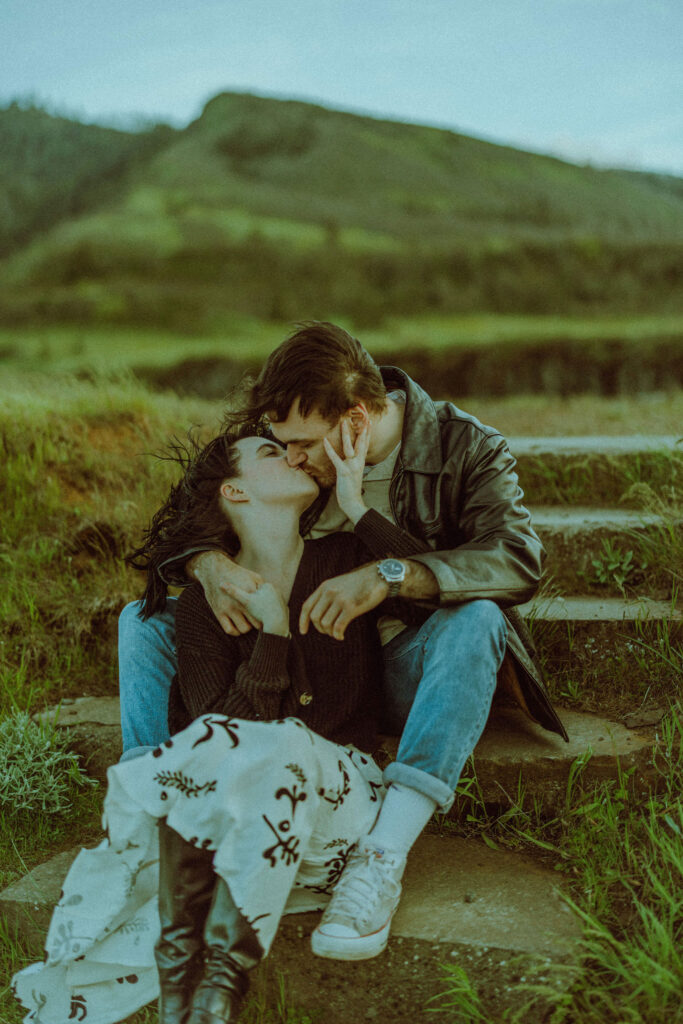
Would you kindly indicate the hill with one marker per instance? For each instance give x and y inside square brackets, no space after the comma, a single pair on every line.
[274,207]
[52,168]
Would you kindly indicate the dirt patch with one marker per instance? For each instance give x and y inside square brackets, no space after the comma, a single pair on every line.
[400,985]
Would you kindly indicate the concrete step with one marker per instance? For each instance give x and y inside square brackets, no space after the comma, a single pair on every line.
[622,542]
[598,471]
[512,752]
[498,914]
[516,760]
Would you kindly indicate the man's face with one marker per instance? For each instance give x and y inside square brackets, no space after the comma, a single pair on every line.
[303,437]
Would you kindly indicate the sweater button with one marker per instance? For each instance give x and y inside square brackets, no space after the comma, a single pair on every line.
[305,698]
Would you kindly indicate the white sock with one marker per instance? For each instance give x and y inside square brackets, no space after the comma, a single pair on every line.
[404,814]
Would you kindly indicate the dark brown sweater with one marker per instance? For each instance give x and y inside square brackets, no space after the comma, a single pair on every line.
[333,686]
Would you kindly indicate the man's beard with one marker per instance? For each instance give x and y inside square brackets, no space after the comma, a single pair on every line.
[325,476]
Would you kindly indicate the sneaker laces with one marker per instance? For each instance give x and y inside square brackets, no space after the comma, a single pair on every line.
[357,894]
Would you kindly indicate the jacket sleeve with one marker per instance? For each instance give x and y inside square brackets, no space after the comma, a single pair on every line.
[173,572]
[385,540]
[496,553]
[212,674]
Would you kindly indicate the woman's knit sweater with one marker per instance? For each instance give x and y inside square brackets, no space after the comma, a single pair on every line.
[333,686]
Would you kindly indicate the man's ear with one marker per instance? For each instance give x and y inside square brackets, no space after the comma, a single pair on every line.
[232,493]
[358,416]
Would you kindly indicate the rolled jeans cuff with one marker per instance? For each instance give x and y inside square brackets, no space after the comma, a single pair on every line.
[436,789]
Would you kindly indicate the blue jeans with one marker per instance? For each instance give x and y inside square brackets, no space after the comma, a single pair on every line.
[439,681]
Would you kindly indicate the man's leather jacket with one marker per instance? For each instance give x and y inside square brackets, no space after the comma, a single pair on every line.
[455,487]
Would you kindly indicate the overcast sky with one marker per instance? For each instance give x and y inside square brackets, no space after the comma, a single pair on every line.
[591,80]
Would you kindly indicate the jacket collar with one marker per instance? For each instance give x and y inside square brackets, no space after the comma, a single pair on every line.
[421,441]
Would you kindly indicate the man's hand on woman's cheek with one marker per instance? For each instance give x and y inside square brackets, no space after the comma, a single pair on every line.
[217,573]
[340,600]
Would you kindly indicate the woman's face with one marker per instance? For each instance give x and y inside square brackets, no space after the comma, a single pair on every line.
[266,476]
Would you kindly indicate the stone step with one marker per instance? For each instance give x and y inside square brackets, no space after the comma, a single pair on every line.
[516,758]
[512,752]
[604,610]
[495,913]
[598,470]
[623,542]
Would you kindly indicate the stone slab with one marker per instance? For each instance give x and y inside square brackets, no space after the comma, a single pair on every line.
[515,753]
[94,725]
[599,609]
[577,521]
[26,905]
[631,444]
[459,890]
[496,913]
[82,710]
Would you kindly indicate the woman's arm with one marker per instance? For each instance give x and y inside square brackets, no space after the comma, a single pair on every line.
[213,673]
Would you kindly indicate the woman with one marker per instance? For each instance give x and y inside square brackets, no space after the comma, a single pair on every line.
[262,794]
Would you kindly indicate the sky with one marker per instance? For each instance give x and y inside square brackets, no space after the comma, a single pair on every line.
[593,81]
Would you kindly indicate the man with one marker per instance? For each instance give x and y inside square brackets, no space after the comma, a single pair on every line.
[449,481]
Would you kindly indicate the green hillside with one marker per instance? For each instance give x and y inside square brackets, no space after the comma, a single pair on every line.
[271,208]
[52,168]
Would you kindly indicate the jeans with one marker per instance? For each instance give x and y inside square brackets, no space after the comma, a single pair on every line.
[439,681]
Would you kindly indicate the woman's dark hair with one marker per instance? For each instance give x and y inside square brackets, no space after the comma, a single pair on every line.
[323,366]
[192,514]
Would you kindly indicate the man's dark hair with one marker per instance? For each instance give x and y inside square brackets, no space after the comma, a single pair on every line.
[323,366]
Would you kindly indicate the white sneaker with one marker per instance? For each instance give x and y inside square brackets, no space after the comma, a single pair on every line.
[355,924]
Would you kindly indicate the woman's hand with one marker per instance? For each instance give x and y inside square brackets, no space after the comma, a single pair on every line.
[265,605]
[350,470]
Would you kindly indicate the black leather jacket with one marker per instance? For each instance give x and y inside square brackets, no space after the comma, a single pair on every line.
[455,487]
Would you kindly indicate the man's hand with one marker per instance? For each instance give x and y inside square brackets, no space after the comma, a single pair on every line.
[349,469]
[216,573]
[340,600]
[265,605]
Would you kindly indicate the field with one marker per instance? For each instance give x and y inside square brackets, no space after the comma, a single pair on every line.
[79,482]
[111,349]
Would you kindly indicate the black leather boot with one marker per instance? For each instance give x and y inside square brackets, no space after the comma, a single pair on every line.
[186,886]
[231,950]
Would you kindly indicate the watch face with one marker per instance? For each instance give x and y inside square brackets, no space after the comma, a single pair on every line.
[392,569]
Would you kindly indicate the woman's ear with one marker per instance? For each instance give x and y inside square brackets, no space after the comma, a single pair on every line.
[232,493]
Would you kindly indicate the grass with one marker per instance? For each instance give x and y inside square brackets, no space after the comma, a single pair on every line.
[623,666]
[641,481]
[113,349]
[78,485]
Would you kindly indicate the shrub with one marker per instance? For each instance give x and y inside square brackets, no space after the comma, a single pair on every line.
[37,770]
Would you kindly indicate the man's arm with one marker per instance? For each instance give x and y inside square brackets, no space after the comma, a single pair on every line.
[218,574]
[497,554]
[341,599]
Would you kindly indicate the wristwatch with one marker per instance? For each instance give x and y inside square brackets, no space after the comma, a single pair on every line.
[392,572]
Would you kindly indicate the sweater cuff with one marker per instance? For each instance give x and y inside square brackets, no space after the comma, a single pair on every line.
[384,539]
[268,662]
